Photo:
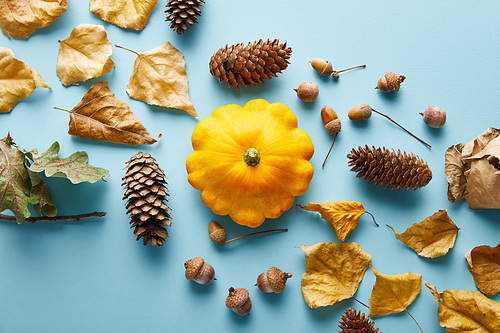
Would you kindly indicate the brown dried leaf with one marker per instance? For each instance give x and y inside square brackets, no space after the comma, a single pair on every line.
[333,272]
[85,54]
[484,265]
[130,14]
[455,173]
[100,116]
[466,311]
[432,237]
[20,18]
[159,78]
[17,80]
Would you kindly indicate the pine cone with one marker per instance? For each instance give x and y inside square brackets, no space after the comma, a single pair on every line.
[146,194]
[240,64]
[183,13]
[355,322]
[396,170]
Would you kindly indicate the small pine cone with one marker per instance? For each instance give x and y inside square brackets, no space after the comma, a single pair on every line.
[183,14]
[395,169]
[245,65]
[146,193]
[356,322]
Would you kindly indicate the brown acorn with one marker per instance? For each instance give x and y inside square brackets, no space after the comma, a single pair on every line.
[323,67]
[332,125]
[216,232]
[390,82]
[362,111]
[273,280]
[239,301]
[199,271]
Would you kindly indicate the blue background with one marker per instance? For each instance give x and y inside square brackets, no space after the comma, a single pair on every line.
[93,276]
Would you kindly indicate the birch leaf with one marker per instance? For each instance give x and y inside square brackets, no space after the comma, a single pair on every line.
[20,18]
[100,116]
[17,80]
[85,54]
[484,265]
[130,14]
[432,237]
[466,311]
[159,78]
[333,272]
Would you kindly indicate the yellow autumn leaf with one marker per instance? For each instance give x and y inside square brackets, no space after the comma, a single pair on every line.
[159,78]
[333,272]
[342,215]
[466,311]
[130,14]
[393,293]
[17,80]
[85,54]
[484,265]
[20,18]
[432,237]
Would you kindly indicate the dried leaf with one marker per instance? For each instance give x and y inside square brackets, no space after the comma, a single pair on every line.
[342,215]
[484,265]
[159,78]
[40,196]
[466,311]
[17,80]
[333,272]
[393,293]
[455,173]
[129,14]
[20,18]
[100,116]
[85,54]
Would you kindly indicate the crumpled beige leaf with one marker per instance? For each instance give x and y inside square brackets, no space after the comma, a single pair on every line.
[333,272]
[343,215]
[484,265]
[432,237]
[466,311]
[20,18]
[130,14]
[17,80]
[159,78]
[393,293]
[85,54]
[473,171]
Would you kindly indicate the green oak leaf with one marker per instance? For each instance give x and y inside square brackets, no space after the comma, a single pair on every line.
[40,196]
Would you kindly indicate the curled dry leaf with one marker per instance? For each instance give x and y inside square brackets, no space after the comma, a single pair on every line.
[484,265]
[20,18]
[17,80]
[466,311]
[473,171]
[159,78]
[393,293]
[333,272]
[432,237]
[342,215]
[100,116]
[85,54]
[130,14]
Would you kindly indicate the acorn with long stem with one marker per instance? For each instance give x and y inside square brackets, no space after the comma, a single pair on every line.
[218,234]
[325,68]
[332,125]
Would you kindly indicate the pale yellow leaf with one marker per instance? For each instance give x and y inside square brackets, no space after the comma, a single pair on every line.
[484,265]
[131,14]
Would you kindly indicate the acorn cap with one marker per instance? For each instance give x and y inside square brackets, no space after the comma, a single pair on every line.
[394,80]
[277,279]
[193,266]
[237,297]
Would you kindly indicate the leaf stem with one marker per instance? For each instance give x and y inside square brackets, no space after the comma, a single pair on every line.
[254,233]
[55,107]
[334,138]
[55,218]
[414,320]
[121,47]
[373,217]
[357,300]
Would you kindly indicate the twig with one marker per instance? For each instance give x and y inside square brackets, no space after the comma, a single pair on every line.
[357,300]
[254,233]
[414,320]
[334,138]
[34,219]
[121,47]
[373,217]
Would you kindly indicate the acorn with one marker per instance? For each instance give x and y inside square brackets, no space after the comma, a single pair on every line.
[216,232]
[199,271]
[362,111]
[273,280]
[390,82]
[434,116]
[323,67]
[239,301]
[307,91]
[332,125]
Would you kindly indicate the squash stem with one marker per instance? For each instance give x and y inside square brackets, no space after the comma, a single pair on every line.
[254,233]
[251,156]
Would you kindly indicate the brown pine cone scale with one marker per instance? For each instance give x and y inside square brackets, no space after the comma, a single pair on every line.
[355,322]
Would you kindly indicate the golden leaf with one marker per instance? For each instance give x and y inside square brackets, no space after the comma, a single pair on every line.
[17,80]
[393,293]
[130,14]
[432,237]
[100,116]
[342,215]
[20,18]
[85,54]
[484,265]
[466,311]
[159,78]
[333,272]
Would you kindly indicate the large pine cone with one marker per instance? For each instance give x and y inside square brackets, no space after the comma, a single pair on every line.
[396,170]
[183,14]
[245,65]
[146,194]
[355,322]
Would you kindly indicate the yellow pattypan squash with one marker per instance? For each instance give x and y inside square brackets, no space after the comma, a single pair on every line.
[250,162]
